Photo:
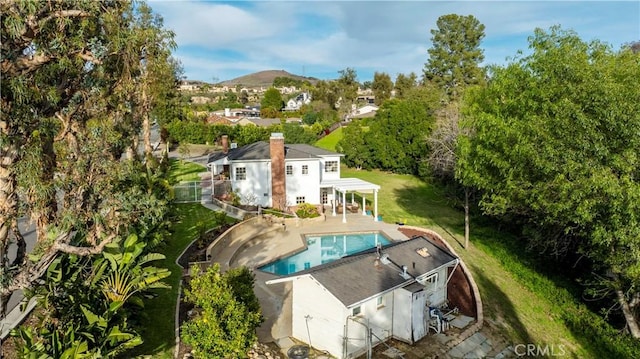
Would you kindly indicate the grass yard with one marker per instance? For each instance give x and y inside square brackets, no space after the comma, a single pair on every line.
[159,312]
[520,304]
[184,171]
[159,320]
[329,141]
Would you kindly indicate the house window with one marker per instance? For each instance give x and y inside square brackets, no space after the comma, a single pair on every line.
[305,169]
[356,311]
[289,170]
[430,282]
[241,173]
[331,166]
[325,197]
[380,302]
[300,200]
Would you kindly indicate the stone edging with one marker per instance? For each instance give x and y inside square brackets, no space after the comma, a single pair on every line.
[474,288]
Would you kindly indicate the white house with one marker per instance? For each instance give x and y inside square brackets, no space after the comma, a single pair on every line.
[280,175]
[297,102]
[363,112]
[352,304]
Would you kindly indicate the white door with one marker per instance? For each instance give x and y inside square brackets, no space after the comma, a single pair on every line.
[418,303]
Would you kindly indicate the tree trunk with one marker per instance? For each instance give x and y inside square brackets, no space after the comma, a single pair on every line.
[466,218]
[21,252]
[632,323]
[47,210]
[8,198]
[146,126]
[8,207]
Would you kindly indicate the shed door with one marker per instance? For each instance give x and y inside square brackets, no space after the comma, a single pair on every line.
[418,305]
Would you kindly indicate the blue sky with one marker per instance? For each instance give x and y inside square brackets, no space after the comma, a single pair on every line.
[222,40]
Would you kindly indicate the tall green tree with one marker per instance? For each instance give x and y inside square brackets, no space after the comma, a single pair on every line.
[272,99]
[382,87]
[404,83]
[455,55]
[69,75]
[354,146]
[554,144]
[453,66]
[397,135]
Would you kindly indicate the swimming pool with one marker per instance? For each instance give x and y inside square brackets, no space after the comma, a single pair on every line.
[324,249]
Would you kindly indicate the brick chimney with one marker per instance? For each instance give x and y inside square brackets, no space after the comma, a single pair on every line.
[278,184]
[225,143]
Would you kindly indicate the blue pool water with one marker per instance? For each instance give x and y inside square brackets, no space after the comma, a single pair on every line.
[324,249]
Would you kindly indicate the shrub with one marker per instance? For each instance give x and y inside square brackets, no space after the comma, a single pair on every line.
[306,210]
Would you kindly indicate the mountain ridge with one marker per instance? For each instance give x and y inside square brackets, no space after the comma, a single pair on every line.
[264,78]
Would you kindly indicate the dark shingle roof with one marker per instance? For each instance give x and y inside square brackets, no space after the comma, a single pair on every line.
[260,151]
[355,278]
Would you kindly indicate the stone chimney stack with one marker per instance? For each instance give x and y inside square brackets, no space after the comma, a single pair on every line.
[278,184]
[225,143]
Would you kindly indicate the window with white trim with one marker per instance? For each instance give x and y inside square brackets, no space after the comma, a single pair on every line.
[305,169]
[430,282]
[300,200]
[325,197]
[241,173]
[289,170]
[380,302]
[356,311]
[331,166]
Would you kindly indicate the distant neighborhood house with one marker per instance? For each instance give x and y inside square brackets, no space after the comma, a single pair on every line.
[296,103]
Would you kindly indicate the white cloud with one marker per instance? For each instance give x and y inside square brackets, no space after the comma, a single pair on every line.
[382,36]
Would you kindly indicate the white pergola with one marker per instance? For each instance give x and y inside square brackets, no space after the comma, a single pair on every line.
[344,185]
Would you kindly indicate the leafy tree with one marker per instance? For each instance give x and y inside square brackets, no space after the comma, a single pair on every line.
[243,97]
[228,313]
[327,92]
[354,146]
[86,302]
[70,111]
[294,133]
[347,89]
[555,145]
[397,135]
[382,86]
[455,57]
[404,83]
[272,99]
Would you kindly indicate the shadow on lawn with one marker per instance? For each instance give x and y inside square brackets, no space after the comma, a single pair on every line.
[429,201]
[505,315]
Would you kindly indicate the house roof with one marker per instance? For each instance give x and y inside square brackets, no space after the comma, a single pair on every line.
[350,185]
[355,278]
[260,151]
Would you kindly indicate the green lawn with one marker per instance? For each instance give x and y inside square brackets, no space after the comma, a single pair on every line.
[184,171]
[329,141]
[158,323]
[520,303]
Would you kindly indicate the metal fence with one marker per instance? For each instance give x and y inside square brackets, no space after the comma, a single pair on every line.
[187,192]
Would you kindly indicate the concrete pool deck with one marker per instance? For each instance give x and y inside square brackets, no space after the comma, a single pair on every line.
[276,299]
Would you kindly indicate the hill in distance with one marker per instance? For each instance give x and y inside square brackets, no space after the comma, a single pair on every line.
[264,78]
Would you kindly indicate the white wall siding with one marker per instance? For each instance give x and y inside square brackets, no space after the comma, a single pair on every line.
[299,185]
[258,183]
[329,175]
[378,318]
[326,325]
[402,314]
